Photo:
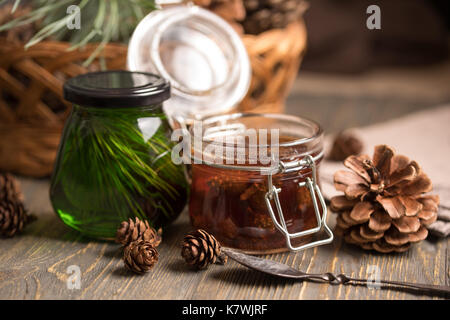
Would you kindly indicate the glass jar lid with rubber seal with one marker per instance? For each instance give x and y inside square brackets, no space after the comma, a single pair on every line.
[199,53]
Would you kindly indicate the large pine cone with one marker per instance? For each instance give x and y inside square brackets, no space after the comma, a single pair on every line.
[384,206]
[13,218]
[200,249]
[140,256]
[130,231]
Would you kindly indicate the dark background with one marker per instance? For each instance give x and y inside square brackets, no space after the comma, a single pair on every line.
[413,33]
[352,76]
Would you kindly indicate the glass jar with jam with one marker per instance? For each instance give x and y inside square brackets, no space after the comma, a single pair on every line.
[255,183]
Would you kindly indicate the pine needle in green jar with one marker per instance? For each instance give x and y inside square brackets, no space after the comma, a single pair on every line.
[114,160]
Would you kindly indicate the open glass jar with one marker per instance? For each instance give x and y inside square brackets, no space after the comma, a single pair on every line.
[114,160]
[255,184]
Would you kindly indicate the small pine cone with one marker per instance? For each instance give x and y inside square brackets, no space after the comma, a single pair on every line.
[140,256]
[263,15]
[385,206]
[13,218]
[201,249]
[345,144]
[9,188]
[130,231]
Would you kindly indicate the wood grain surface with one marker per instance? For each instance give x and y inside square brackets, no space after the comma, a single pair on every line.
[34,265]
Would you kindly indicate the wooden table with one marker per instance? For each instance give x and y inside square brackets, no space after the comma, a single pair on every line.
[34,265]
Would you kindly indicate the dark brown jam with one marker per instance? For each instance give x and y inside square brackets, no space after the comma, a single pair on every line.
[231,205]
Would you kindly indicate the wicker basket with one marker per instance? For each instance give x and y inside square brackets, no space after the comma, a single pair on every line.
[275,57]
[32,110]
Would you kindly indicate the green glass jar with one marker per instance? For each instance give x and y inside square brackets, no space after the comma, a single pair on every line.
[114,160]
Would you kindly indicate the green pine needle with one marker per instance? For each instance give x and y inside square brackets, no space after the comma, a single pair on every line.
[105,164]
[102,21]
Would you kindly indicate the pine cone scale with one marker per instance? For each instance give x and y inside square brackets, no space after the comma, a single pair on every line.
[356,164]
[382,159]
[379,222]
[421,184]
[346,217]
[404,175]
[369,234]
[361,212]
[413,207]
[393,206]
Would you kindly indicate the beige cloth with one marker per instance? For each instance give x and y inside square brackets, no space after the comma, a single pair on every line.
[423,136]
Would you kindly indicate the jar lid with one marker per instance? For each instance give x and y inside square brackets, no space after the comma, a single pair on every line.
[116,89]
[199,53]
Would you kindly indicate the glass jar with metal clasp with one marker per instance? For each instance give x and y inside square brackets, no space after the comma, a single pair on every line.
[259,204]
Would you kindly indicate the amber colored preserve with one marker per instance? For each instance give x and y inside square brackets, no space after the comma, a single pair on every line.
[230,203]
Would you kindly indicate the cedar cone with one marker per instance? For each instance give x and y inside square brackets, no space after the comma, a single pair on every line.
[345,144]
[384,206]
[9,188]
[140,256]
[13,218]
[201,249]
[130,231]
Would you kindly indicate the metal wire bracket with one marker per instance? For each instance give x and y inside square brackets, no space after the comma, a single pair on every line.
[313,188]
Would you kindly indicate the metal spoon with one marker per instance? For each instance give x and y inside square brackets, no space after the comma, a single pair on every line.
[282,270]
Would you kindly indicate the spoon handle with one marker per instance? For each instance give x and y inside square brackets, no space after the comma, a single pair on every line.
[388,284]
[285,271]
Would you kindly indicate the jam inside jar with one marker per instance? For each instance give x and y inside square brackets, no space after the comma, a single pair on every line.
[231,186]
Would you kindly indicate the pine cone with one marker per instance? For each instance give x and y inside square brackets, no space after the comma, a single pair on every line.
[9,188]
[262,15]
[130,231]
[13,218]
[201,249]
[345,144]
[140,256]
[384,206]
[229,10]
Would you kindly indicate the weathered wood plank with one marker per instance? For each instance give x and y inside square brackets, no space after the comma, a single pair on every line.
[34,265]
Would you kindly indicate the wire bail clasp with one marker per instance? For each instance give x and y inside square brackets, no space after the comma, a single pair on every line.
[314,189]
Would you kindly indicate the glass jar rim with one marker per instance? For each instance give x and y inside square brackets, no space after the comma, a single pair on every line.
[252,155]
[305,122]
[116,89]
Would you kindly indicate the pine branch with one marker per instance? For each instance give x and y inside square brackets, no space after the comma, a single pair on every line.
[102,21]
